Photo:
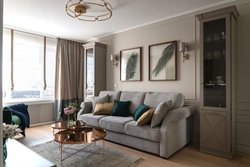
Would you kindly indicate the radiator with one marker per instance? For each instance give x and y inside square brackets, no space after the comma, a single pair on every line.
[41,113]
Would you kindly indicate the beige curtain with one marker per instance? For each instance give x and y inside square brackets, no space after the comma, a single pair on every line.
[69,80]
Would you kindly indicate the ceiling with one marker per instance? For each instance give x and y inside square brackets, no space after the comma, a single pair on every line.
[48,17]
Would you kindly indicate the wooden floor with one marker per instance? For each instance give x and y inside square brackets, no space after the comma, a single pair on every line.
[189,156]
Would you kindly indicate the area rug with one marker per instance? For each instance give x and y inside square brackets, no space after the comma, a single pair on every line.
[91,156]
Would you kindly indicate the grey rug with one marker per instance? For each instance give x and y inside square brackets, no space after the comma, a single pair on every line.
[91,157]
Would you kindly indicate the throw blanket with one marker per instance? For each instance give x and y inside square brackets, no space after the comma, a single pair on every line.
[22,112]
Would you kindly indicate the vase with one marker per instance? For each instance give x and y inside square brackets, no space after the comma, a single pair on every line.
[71,120]
[4,149]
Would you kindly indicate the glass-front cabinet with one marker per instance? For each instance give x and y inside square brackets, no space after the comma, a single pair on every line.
[95,69]
[214,63]
[217,86]
[89,73]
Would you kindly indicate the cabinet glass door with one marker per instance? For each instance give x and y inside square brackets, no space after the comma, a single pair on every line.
[89,73]
[214,63]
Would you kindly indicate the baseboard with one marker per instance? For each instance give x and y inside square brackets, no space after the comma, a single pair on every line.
[244,148]
[44,123]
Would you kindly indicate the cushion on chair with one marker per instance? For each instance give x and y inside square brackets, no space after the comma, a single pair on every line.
[16,120]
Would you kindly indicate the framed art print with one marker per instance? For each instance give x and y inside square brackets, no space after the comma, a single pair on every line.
[162,61]
[130,64]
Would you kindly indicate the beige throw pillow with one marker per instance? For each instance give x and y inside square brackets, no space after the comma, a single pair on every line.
[145,118]
[103,108]
[160,112]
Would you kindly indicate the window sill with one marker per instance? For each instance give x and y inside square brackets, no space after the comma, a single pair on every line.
[28,101]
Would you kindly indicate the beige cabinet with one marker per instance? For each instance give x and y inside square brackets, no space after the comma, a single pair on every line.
[217,106]
[95,69]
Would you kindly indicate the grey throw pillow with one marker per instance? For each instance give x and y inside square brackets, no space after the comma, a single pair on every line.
[160,112]
[102,99]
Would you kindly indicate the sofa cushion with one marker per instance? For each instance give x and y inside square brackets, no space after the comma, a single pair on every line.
[90,119]
[160,112]
[101,99]
[114,123]
[145,131]
[152,99]
[135,98]
[103,108]
[139,111]
[145,118]
[120,108]
[113,95]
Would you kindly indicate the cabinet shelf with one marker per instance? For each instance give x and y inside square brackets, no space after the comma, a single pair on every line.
[215,84]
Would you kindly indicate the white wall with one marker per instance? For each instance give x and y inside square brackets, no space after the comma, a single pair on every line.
[185,29]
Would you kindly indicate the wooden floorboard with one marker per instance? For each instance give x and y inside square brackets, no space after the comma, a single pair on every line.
[189,156]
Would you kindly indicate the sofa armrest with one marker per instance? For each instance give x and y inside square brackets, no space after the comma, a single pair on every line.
[7,116]
[176,130]
[86,107]
[182,113]
[176,115]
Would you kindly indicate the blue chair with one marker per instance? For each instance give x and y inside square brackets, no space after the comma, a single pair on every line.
[17,115]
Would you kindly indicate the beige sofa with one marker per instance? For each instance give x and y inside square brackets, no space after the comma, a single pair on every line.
[174,132]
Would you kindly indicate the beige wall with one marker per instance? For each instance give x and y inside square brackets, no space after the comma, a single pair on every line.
[243,80]
[185,29]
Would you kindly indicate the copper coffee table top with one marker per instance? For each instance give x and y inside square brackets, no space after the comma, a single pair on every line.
[79,134]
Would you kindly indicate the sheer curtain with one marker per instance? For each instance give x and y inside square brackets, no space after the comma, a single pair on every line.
[69,79]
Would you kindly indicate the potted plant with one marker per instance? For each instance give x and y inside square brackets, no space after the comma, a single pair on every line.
[71,110]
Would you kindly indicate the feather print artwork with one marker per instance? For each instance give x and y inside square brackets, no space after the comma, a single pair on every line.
[131,66]
[165,57]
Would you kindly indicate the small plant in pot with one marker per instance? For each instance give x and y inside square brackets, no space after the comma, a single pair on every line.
[71,110]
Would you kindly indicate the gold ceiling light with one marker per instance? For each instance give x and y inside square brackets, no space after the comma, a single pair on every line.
[96,10]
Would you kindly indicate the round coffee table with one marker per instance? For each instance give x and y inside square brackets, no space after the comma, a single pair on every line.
[79,134]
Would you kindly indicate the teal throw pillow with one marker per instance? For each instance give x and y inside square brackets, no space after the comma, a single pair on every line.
[120,108]
[139,111]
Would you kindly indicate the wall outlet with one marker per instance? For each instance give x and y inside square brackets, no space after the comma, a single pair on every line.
[198,129]
[116,85]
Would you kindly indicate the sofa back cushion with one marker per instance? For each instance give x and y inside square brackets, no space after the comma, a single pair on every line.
[135,98]
[113,95]
[152,99]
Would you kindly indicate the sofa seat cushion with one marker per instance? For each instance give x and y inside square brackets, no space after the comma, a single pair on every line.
[114,123]
[144,132]
[90,119]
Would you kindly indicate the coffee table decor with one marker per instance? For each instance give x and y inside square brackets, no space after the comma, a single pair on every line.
[111,157]
[70,110]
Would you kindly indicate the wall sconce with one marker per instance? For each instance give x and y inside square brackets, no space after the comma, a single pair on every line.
[114,60]
[183,47]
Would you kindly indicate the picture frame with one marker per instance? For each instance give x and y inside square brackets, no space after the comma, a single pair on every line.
[130,64]
[162,61]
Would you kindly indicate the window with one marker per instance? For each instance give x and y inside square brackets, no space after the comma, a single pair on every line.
[28,66]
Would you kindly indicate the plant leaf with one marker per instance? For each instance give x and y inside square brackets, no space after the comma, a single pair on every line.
[131,66]
[166,56]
